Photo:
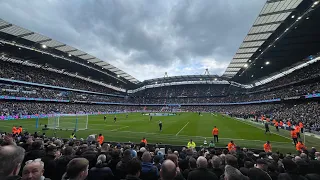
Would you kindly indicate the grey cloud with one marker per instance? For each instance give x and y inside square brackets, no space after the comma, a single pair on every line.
[142,33]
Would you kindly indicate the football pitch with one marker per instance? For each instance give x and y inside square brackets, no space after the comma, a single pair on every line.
[177,130]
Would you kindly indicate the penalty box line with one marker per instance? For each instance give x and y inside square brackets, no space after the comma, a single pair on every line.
[119,128]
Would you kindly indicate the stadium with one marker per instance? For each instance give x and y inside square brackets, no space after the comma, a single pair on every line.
[268,94]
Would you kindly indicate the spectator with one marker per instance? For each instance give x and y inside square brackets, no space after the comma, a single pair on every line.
[33,170]
[291,171]
[49,162]
[202,172]
[192,166]
[123,164]
[11,157]
[36,151]
[77,169]
[134,169]
[100,171]
[62,162]
[216,166]
[168,170]
[259,171]
[149,171]
[232,173]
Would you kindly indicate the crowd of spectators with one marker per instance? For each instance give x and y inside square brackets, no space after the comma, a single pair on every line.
[30,157]
[311,71]
[41,76]
[45,93]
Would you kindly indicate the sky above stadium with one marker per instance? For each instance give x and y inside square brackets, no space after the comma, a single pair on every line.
[142,37]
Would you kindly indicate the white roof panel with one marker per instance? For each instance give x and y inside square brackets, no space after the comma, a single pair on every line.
[87,56]
[52,43]
[66,48]
[3,22]
[95,60]
[15,30]
[77,52]
[36,37]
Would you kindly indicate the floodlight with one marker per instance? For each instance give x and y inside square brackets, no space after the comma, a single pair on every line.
[69,55]
[43,46]
[292,16]
[245,65]
[267,62]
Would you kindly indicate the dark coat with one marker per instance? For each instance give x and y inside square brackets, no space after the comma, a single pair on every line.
[203,174]
[217,171]
[100,172]
[291,176]
[61,166]
[129,177]
[49,166]
[149,171]
[312,176]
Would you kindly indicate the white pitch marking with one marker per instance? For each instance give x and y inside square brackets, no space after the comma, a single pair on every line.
[119,128]
[182,128]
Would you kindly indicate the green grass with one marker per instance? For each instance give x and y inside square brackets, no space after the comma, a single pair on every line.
[177,130]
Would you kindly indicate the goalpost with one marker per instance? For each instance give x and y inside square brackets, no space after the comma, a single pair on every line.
[73,122]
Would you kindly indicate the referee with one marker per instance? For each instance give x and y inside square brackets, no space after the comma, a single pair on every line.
[160,125]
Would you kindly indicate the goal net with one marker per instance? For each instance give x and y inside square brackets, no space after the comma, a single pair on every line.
[74,122]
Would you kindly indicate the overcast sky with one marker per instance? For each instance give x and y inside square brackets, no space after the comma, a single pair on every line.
[145,38]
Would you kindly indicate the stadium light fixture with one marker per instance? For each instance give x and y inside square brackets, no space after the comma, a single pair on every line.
[316,2]
[292,16]
[267,62]
[245,65]
[215,79]
[118,75]
[88,62]
[19,48]
[261,67]
[69,55]
[298,18]
[156,82]
[252,75]
[43,46]
[307,18]
[249,61]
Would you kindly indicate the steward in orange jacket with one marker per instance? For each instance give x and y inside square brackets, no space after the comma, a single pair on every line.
[294,136]
[14,130]
[100,139]
[300,146]
[267,147]
[301,126]
[231,146]
[144,140]
[215,133]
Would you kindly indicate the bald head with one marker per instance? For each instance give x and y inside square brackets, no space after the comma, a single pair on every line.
[202,162]
[11,157]
[168,170]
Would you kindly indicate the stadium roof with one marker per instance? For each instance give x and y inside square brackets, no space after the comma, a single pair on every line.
[285,32]
[172,79]
[69,51]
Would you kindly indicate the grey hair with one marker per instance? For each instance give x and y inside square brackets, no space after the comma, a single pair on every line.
[11,157]
[101,159]
[202,162]
[35,161]
[216,161]
[232,173]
